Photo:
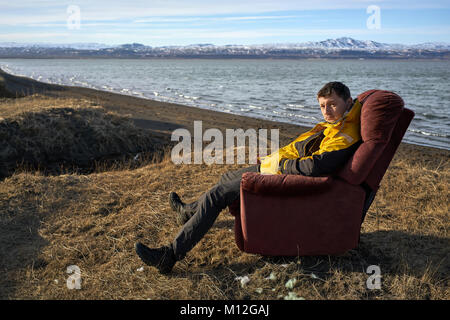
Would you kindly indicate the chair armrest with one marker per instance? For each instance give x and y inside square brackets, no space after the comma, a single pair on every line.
[283,184]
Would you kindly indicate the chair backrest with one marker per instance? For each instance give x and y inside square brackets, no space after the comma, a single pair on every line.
[384,121]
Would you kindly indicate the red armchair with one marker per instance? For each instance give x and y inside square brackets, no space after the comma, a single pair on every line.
[294,215]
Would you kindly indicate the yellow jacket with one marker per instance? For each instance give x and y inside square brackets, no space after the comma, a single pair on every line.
[319,151]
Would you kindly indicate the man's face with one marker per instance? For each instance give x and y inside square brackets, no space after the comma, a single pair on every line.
[333,107]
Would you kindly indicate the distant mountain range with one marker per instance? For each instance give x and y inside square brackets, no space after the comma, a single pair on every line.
[344,47]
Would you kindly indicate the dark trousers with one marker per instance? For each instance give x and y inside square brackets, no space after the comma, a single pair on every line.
[206,209]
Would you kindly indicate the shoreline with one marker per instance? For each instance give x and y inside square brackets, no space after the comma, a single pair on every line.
[161,118]
[415,137]
[148,114]
[421,132]
[92,219]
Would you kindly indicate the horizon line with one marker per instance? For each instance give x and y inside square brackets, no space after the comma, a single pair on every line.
[229,44]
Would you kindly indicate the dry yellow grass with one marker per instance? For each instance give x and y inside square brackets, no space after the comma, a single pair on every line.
[93,220]
[53,133]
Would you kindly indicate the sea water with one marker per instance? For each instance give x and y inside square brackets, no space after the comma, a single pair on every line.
[279,90]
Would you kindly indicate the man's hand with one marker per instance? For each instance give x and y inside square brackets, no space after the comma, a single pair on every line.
[270,164]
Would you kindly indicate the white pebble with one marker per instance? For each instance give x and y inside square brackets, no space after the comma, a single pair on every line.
[244,280]
[293,296]
[291,283]
[271,277]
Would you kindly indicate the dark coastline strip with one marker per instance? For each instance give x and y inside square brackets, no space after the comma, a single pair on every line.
[161,118]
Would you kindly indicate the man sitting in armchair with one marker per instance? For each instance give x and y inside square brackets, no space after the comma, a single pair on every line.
[317,152]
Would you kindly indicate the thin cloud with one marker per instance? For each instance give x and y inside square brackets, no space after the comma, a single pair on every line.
[28,11]
[182,21]
[208,19]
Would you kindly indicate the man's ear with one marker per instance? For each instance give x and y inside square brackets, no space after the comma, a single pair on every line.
[349,103]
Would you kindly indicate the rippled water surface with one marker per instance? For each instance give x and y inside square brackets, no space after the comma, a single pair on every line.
[280,90]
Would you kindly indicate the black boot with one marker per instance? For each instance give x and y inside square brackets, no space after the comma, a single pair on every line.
[183,215]
[162,258]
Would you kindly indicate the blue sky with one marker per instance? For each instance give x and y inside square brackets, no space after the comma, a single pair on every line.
[174,22]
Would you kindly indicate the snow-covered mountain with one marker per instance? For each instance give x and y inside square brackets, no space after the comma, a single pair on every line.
[350,44]
[331,48]
[343,43]
[346,43]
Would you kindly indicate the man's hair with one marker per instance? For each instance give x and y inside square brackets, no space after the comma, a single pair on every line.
[338,87]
